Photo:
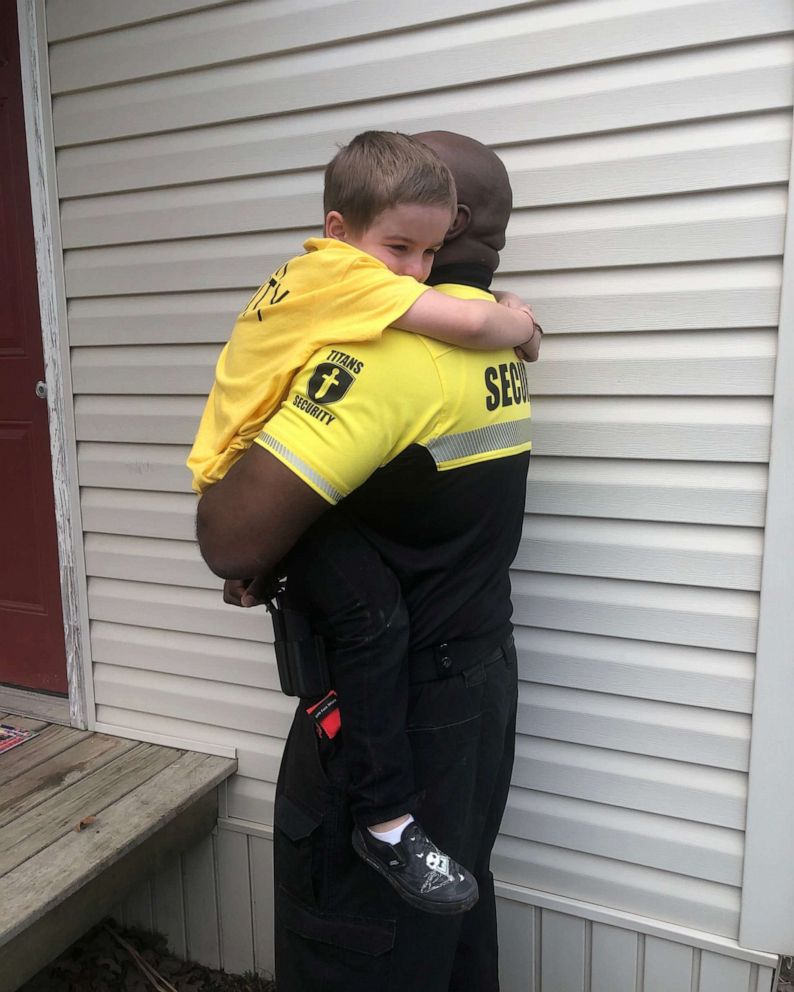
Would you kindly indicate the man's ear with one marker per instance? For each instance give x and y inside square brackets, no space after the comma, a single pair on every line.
[459,224]
[335,226]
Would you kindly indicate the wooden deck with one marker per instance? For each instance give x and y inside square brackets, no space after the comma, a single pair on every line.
[56,880]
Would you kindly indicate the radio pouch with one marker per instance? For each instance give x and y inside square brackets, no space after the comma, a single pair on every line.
[300,653]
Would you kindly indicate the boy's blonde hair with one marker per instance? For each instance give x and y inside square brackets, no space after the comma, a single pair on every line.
[383,169]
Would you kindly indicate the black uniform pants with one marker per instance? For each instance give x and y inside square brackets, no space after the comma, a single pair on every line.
[339,926]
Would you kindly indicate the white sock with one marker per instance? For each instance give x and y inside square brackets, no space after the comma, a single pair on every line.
[393,835]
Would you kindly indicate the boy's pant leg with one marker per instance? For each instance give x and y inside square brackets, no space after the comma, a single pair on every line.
[352,599]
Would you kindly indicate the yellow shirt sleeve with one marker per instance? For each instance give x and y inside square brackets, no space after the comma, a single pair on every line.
[353,409]
[334,293]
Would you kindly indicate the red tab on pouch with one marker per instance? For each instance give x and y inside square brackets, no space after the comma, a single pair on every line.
[326,716]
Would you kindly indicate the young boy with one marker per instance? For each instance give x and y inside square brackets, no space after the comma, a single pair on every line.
[389,202]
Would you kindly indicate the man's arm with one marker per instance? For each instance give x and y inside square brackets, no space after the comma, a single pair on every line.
[249,520]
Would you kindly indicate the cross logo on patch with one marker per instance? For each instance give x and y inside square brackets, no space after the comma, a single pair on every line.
[329,383]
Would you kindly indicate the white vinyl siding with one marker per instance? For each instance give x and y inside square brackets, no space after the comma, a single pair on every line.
[648,143]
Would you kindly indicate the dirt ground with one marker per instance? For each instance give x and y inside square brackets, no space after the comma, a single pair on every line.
[100,963]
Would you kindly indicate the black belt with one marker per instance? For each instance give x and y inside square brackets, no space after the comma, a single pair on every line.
[453,657]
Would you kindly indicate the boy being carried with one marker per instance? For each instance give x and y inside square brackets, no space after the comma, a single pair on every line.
[389,202]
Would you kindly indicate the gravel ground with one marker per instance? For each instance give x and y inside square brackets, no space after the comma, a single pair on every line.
[99,962]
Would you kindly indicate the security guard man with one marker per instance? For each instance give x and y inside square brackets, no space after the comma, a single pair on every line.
[426,455]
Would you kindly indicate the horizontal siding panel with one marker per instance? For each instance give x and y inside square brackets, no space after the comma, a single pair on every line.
[199,611]
[732,363]
[173,318]
[200,700]
[673,297]
[695,903]
[724,618]
[215,263]
[148,560]
[688,554]
[71,18]
[247,259]
[687,158]
[146,467]
[258,755]
[695,849]
[662,490]
[171,420]
[710,429]
[720,680]
[680,158]
[665,491]
[712,363]
[499,47]
[139,514]
[655,785]
[266,203]
[645,231]
[620,427]
[143,370]
[234,33]
[740,79]
[638,726]
[721,558]
[661,298]
[222,659]
[689,228]
[251,799]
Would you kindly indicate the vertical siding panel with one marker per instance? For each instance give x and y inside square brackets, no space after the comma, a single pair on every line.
[237,945]
[201,905]
[614,959]
[723,974]
[169,906]
[516,945]
[668,966]
[563,951]
[262,903]
[764,980]
[138,907]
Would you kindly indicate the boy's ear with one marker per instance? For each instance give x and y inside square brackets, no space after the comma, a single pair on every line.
[335,226]
[459,224]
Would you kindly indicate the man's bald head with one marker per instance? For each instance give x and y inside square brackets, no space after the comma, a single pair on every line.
[485,199]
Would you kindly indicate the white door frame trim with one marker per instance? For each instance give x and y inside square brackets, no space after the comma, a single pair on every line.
[60,403]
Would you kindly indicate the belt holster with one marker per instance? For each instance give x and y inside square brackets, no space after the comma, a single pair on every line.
[300,653]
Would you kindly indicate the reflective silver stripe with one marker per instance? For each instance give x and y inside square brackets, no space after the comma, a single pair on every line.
[292,459]
[493,437]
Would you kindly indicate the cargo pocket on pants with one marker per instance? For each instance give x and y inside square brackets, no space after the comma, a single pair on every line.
[334,953]
[297,859]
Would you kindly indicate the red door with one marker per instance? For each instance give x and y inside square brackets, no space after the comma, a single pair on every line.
[32,653]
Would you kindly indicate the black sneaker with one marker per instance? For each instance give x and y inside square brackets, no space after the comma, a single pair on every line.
[424,876]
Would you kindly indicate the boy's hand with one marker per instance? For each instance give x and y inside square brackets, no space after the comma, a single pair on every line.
[245,592]
[530,350]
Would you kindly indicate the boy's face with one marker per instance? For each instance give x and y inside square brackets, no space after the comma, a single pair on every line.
[405,238]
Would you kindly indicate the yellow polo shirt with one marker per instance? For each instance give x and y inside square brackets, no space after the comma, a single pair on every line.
[334,293]
[355,408]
